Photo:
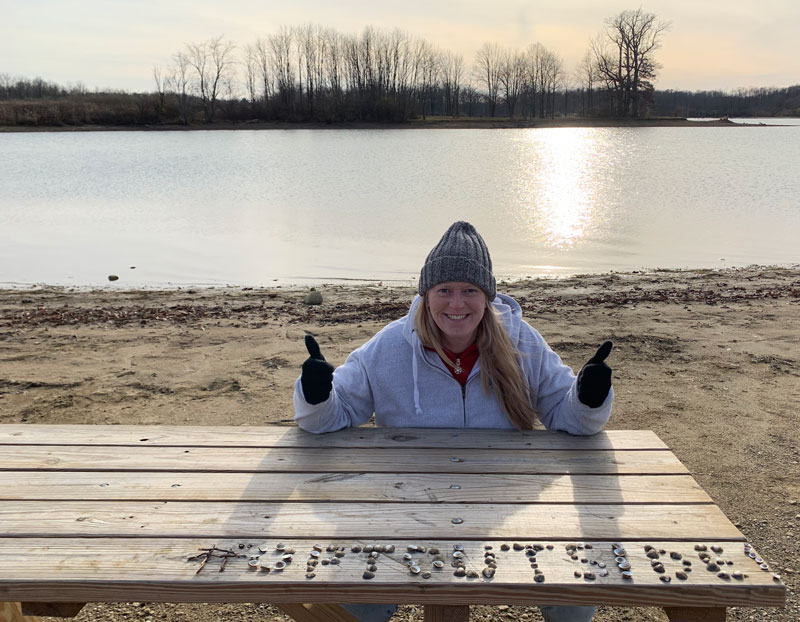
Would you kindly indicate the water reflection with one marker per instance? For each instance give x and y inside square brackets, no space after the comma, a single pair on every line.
[556,186]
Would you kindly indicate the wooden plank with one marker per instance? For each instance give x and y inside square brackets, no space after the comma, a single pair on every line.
[101,458]
[283,436]
[695,614]
[446,613]
[316,612]
[10,612]
[362,520]
[165,570]
[57,610]
[410,488]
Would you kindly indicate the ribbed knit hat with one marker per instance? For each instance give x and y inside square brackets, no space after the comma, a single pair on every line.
[461,255]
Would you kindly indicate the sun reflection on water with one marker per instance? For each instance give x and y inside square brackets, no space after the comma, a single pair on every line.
[556,186]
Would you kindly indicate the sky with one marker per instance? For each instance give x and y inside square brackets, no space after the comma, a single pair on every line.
[114,44]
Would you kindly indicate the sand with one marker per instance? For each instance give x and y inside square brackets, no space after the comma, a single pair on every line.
[709,360]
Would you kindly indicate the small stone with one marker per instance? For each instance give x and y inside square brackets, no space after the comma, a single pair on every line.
[712,567]
[518,546]
[426,575]
[460,572]
[113,277]
[723,575]
[471,574]
[681,575]
[589,575]
[313,298]
[675,555]
[665,578]
[488,572]
[539,578]
[504,547]
[355,548]
[578,574]
[310,575]
[368,574]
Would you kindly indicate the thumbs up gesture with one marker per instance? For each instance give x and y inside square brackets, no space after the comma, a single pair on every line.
[594,379]
[317,376]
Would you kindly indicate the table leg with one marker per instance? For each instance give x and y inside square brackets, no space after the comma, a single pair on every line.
[695,614]
[314,612]
[55,610]
[446,613]
[11,612]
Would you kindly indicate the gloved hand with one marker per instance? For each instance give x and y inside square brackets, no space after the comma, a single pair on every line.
[594,379]
[317,377]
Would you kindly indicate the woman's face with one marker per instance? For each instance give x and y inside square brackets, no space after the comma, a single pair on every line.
[457,308]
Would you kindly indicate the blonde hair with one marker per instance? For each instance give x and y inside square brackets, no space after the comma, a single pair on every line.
[500,367]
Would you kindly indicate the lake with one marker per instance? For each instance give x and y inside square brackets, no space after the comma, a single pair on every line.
[251,207]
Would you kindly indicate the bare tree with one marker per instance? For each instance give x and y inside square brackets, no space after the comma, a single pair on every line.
[280,47]
[586,78]
[179,82]
[212,62]
[624,57]
[488,61]
[511,76]
[161,84]
[451,71]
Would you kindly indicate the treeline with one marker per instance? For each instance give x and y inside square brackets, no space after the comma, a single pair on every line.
[760,102]
[316,74]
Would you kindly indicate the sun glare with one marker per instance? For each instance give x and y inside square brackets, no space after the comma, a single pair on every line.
[555,184]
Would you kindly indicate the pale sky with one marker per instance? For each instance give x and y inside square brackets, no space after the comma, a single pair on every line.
[712,44]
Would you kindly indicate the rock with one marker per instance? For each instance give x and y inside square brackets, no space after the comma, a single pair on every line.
[113,277]
[314,298]
[503,608]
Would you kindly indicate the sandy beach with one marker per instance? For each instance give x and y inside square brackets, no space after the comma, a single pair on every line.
[709,360]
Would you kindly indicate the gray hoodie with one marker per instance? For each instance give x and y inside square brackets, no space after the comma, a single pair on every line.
[407,386]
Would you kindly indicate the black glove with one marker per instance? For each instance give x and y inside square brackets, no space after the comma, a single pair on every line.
[317,376]
[594,379]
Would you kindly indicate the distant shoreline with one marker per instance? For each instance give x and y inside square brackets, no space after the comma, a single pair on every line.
[417,124]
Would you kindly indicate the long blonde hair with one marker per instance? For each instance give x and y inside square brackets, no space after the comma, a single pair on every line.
[500,367]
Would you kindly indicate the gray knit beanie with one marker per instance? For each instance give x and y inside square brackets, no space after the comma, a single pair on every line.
[461,255]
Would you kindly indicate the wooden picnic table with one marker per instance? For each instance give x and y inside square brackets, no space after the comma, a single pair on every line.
[101,513]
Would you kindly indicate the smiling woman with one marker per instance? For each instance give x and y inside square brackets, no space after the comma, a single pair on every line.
[421,370]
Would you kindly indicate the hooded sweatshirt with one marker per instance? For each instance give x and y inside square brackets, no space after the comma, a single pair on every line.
[407,386]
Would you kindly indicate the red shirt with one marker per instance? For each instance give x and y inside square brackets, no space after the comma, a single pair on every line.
[464,361]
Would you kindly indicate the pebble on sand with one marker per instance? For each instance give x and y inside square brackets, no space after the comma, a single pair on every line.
[314,298]
[113,277]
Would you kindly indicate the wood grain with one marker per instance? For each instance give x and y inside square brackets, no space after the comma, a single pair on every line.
[10,612]
[246,459]
[356,487]
[163,570]
[446,613]
[363,520]
[283,436]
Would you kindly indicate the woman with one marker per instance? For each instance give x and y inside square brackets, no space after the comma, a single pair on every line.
[422,370]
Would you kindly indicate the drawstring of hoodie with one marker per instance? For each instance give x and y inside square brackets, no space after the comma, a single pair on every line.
[417,407]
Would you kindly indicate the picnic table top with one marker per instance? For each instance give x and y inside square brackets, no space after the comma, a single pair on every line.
[210,514]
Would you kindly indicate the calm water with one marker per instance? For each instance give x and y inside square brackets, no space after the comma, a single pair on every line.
[253,207]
